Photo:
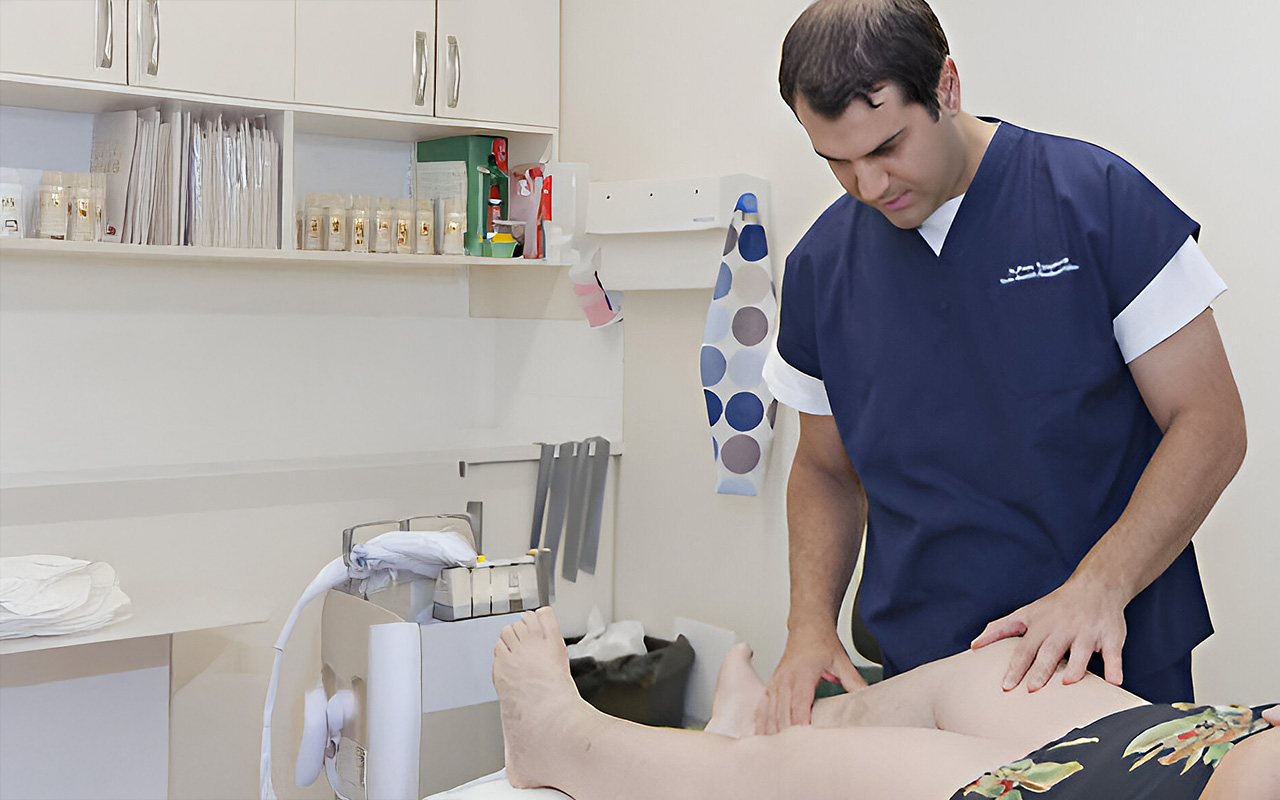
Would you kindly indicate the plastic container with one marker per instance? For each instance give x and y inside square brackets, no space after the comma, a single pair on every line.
[80,199]
[360,224]
[313,222]
[384,226]
[455,227]
[53,207]
[336,212]
[405,232]
[502,245]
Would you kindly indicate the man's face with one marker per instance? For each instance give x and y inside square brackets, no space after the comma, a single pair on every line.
[890,154]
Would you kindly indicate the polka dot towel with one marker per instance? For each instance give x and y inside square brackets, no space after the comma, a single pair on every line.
[740,408]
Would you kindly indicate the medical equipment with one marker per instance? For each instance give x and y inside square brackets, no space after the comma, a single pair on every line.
[387,658]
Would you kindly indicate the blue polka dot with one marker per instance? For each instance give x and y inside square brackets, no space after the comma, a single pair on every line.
[746,367]
[751,243]
[737,485]
[724,282]
[713,365]
[713,408]
[747,204]
[718,321]
[744,411]
[715,448]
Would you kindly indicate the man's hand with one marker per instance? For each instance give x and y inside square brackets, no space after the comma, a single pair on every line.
[809,656]
[1080,617]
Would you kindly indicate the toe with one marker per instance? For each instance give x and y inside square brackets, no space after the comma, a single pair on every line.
[546,616]
[508,637]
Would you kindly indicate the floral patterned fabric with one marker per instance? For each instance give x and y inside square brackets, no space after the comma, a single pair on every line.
[1156,752]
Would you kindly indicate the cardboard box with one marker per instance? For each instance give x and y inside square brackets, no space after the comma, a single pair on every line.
[484,159]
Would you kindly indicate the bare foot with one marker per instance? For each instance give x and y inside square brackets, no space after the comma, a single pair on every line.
[543,717]
[738,692]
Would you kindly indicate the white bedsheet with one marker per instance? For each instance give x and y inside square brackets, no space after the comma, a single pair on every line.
[495,787]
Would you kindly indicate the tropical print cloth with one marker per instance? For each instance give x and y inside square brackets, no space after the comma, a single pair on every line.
[1155,752]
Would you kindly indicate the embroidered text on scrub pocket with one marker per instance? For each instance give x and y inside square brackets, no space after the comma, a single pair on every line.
[1038,270]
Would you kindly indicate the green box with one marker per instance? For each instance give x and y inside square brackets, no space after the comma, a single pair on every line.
[485,158]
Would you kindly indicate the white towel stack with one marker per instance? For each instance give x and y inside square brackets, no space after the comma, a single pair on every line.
[47,595]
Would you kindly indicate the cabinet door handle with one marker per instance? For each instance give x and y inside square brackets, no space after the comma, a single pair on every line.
[421,61]
[106,33]
[153,62]
[455,59]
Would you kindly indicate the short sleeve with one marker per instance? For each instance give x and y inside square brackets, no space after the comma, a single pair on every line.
[792,369]
[1183,288]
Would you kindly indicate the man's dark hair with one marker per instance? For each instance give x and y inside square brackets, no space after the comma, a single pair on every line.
[842,50]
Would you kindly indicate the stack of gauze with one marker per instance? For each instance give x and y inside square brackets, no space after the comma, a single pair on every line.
[47,595]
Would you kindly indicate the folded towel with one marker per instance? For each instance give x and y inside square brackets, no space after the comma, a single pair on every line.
[49,595]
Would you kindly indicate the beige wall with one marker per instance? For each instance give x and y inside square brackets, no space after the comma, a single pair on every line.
[678,89]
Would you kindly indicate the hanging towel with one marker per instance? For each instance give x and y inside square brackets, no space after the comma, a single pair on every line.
[48,595]
[740,407]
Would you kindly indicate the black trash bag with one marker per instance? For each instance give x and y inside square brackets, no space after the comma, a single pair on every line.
[648,688]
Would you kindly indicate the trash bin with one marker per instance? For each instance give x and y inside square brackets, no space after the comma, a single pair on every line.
[648,688]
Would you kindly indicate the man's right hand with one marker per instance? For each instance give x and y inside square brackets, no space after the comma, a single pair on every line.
[809,657]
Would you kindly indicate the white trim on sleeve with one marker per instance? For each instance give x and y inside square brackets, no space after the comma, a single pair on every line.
[1176,295]
[794,388]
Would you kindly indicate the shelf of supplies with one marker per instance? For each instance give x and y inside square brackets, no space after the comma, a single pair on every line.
[49,249]
[158,610]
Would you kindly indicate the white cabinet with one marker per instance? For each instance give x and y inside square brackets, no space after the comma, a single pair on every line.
[370,54]
[498,60]
[233,48]
[77,39]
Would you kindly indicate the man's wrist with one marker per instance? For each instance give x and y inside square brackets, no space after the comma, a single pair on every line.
[1107,581]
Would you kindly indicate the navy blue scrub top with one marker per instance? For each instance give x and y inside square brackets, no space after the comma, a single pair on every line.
[981,395]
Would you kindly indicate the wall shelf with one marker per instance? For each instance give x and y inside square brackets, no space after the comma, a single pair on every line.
[667,234]
[471,456]
[110,252]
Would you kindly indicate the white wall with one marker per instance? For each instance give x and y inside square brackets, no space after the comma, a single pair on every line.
[670,89]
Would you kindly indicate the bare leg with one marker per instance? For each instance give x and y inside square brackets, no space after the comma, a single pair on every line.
[962,694]
[1250,769]
[553,738]
[738,692]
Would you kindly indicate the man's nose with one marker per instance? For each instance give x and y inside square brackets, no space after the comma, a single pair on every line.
[871,181]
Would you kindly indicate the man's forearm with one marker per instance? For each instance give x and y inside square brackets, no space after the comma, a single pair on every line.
[1198,457]
[826,516]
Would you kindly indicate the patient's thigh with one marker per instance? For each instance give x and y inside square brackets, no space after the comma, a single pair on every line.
[851,763]
[969,699]
[962,694]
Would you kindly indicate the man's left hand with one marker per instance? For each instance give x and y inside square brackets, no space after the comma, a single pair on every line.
[1079,617]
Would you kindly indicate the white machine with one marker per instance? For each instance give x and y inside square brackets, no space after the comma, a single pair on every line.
[400,687]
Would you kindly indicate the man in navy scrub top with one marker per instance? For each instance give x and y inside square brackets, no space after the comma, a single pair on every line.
[1007,371]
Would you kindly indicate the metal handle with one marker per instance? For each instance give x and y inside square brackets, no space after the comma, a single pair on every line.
[106,33]
[420,61]
[153,63]
[348,536]
[455,59]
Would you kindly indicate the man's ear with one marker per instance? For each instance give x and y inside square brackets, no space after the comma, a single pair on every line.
[949,87]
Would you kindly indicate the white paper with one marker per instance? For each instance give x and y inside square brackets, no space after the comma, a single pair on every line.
[114,137]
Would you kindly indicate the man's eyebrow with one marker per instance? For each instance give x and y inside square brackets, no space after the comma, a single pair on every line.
[879,148]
